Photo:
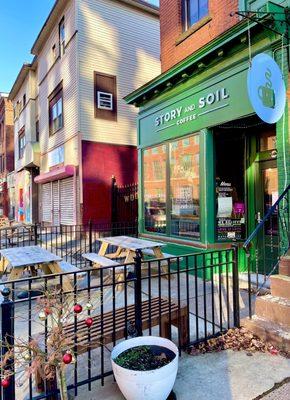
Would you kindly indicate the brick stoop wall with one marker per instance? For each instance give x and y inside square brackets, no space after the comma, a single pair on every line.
[272,319]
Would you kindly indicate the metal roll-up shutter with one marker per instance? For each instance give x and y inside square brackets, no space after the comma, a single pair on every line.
[46,202]
[55,203]
[67,201]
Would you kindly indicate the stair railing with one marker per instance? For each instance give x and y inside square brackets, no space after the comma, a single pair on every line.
[276,225]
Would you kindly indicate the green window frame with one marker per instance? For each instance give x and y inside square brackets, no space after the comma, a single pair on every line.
[171,188]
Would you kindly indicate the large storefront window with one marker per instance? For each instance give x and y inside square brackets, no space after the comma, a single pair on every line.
[184,187]
[176,186]
[155,189]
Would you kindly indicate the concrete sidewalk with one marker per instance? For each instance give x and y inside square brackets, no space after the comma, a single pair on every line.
[226,375]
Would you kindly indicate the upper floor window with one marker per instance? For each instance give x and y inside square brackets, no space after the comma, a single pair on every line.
[53,52]
[61,37]
[56,110]
[37,131]
[105,96]
[24,100]
[21,142]
[193,11]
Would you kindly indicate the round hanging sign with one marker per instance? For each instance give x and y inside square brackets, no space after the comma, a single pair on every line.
[266,88]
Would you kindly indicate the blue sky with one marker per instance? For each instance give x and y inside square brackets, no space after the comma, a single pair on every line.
[20,22]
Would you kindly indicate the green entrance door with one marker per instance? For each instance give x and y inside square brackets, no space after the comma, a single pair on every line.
[266,193]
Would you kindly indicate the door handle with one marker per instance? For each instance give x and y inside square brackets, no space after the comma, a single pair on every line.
[258,217]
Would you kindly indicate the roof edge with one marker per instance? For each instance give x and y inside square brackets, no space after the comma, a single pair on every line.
[26,67]
[60,5]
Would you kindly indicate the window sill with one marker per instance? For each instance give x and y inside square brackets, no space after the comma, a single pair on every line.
[175,240]
[193,29]
[53,133]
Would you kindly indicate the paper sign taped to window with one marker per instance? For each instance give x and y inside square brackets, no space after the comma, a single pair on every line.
[225,207]
[274,197]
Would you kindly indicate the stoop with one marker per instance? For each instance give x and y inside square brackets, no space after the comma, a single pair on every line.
[272,319]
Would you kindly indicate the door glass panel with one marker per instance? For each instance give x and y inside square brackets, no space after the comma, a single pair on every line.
[268,141]
[155,189]
[230,193]
[270,184]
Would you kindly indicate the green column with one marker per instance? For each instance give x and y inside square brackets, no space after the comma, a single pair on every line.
[207,187]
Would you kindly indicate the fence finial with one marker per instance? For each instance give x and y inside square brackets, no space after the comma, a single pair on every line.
[5,293]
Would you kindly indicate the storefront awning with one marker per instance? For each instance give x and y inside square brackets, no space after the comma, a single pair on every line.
[56,174]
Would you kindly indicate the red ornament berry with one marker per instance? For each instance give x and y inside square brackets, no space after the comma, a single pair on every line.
[47,310]
[89,322]
[67,358]
[5,383]
[78,308]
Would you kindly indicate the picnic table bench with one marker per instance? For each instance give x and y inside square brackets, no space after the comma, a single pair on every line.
[111,326]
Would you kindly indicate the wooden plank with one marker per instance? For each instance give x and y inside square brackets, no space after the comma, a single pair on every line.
[28,255]
[132,243]
[101,260]
[56,269]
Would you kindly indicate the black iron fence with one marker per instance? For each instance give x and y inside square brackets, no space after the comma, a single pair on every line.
[68,242]
[267,244]
[187,299]
[124,202]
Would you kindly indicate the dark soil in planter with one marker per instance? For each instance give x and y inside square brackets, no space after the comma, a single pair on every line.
[145,358]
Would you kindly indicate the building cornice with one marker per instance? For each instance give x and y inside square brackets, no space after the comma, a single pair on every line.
[59,7]
[184,69]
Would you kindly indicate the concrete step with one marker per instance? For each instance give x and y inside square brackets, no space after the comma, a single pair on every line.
[275,309]
[280,286]
[268,331]
[284,266]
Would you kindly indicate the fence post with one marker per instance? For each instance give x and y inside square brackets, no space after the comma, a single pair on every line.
[90,236]
[113,200]
[7,329]
[35,234]
[138,293]
[236,289]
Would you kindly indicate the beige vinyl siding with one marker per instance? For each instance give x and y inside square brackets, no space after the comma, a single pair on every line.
[112,40]
[27,115]
[50,75]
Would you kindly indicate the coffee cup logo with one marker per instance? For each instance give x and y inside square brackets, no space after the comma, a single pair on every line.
[266,93]
[266,88]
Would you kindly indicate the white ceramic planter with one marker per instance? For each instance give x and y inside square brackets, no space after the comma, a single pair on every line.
[145,385]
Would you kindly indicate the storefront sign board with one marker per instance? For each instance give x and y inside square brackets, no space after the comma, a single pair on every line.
[221,102]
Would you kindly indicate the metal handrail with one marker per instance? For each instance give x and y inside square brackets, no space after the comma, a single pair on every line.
[266,217]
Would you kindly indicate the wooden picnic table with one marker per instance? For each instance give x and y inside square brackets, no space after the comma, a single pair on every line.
[32,257]
[127,247]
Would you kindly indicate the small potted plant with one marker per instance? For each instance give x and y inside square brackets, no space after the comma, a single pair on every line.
[145,367]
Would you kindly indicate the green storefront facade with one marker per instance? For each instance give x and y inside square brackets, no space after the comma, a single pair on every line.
[209,167]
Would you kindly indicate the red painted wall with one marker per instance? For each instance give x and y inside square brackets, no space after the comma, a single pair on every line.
[100,162]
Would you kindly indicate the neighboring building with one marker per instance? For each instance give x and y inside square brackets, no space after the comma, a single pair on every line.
[6,153]
[24,96]
[209,165]
[88,56]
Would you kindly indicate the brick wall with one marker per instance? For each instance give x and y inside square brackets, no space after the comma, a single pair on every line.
[171,29]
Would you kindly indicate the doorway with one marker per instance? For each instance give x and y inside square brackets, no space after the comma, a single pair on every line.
[266,194]
[247,186]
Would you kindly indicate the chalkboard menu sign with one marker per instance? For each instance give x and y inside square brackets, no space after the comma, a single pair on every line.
[230,213]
